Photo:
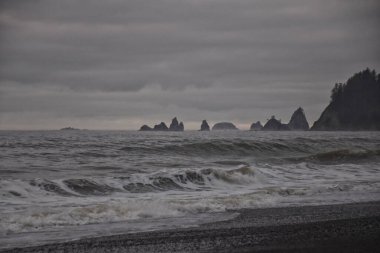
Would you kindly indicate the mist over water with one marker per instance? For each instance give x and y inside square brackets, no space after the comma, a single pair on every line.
[61,185]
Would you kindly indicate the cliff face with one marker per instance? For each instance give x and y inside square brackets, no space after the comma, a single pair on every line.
[298,121]
[354,105]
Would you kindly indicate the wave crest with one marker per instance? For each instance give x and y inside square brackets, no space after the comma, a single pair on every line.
[341,155]
[187,180]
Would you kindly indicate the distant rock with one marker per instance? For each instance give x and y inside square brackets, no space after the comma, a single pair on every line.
[224,126]
[174,126]
[354,105]
[256,126]
[205,126]
[161,127]
[145,128]
[298,121]
[275,125]
[69,129]
[181,127]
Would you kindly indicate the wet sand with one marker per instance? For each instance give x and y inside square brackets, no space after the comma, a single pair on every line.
[330,228]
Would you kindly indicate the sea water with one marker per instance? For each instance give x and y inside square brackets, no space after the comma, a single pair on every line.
[64,185]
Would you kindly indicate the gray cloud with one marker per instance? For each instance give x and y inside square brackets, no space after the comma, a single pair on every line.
[120,63]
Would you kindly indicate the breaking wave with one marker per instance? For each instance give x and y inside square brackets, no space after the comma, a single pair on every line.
[58,179]
[79,201]
[188,180]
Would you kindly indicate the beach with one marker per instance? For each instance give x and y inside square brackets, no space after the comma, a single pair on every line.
[328,228]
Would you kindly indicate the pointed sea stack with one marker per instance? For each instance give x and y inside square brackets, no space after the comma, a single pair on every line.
[174,126]
[161,127]
[145,128]
[275,125]
[205,126]
[224,126]
[256,126]
[298,121]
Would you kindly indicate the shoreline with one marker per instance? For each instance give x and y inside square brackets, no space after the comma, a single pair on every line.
[351,227]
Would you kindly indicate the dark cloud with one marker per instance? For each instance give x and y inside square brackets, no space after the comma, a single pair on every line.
[119,62]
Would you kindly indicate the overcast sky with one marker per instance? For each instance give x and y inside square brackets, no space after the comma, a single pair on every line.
[118,64]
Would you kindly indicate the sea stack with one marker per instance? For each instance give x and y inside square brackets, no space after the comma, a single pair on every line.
[224,126]
[181,127]
[145,128]
[205,126]
[298,121]
[256,126]
[161,127]
[275,125]
[175,126]
[354,105]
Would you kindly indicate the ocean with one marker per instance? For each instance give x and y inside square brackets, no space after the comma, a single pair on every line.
[64,185]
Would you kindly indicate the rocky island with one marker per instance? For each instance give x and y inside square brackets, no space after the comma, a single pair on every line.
[224,126]
[174,126]
[354,105]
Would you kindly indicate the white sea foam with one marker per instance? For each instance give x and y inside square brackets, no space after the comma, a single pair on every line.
[240,187]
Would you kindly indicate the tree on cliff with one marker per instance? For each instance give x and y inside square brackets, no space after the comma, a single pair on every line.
[354,105]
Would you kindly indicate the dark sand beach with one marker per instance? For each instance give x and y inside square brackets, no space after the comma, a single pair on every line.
[328,228]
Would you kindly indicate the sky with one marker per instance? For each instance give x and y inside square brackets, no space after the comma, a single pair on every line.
[119,64]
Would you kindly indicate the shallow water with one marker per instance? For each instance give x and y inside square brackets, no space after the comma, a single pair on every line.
[63,185]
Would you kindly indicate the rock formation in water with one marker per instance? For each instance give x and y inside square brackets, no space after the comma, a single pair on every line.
[68,129]
[275,125]
[146,128]
[175,126]
[205,126]
[354,105]
[224,126]
[256,126]
[161,127]
[298,121]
